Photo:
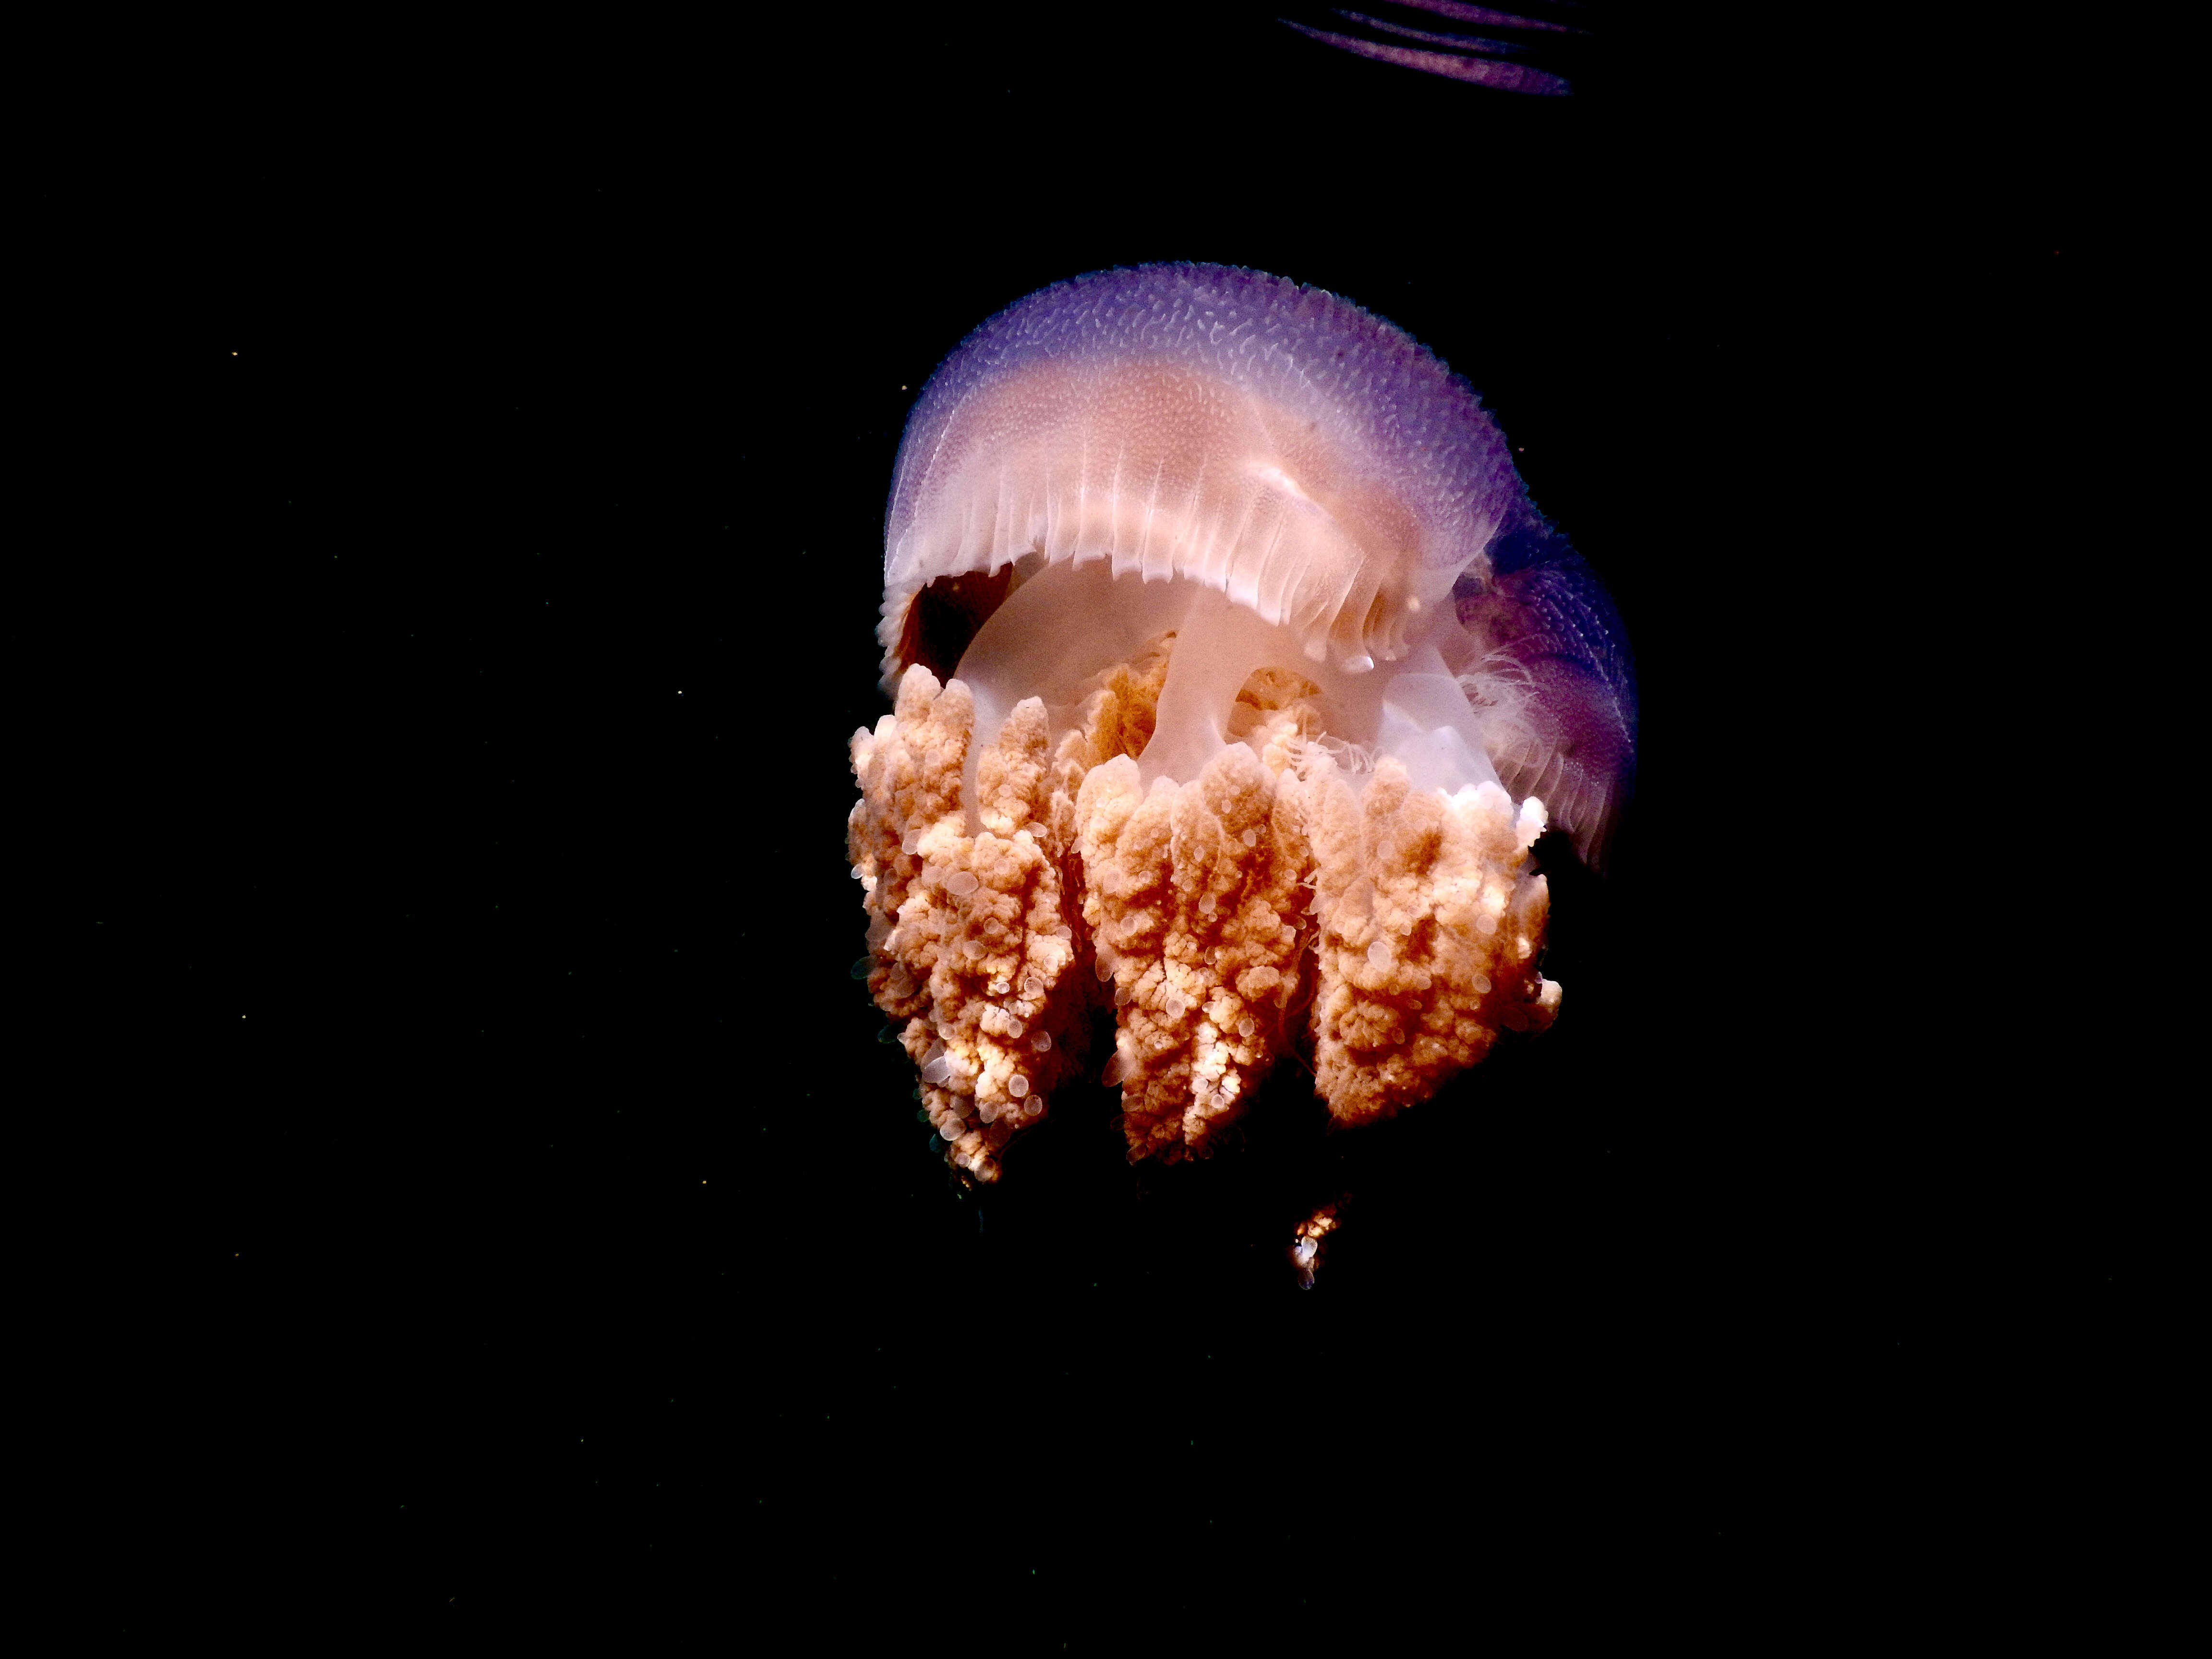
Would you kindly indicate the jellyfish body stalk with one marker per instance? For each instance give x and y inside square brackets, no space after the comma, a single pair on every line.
[1219,645]
[1420,711]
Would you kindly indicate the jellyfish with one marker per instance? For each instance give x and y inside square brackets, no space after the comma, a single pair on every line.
[1235,679]
[1502,59]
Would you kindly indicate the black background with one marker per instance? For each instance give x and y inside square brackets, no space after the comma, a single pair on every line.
[560,1243]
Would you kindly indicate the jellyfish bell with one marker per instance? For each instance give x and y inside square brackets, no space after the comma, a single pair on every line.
[1230,456]
[1227,647]
[1524,51]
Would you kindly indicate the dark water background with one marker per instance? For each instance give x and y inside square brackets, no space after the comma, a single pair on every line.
[563,1247]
